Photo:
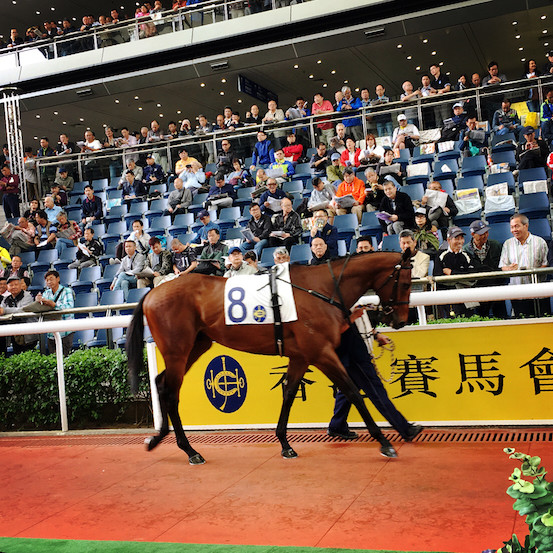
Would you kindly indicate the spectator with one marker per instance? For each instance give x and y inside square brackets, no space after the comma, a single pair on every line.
[281,255]
[353,186]
[22,237]
[253,117]
[533,152]
[47,172]
[91,208]
[224,157]
[14,302]
[221,194]
[51,209]
[251,259]
[425,234]
[350,105]
[374,191]
[523,251]
[364,244]
[462,83]
[454,126]
[547,118]
[322,196]
[184,257]
[294,149]
[131,265]
[263,153]
[90,145]
[184,161]
[440,83]
[260,226]
[455,261]
[325,127]
[271,198]
[159,261]
[287,226]
[237,265]
[64,181]
[321,228]
[9,185]
[126,142]
[440,216]
[275,115]
[210,261]
[506,119]
[90,249]
[319,250]
[133,189]
[471,140]
[60,197]
[207,225]
[152,173]
[45,232]
[350,156]
[65,147]
[494,76]
[334,171]
[485,255]
[420,262]
[193,177]
[68,233]
[30,213]
[405,134]
[14,40]
[140,238]
[319,162]
[372,154]
[239,177]
[29,171]
[531,71]
[409,94]
[383,120]
[399,207]
[387,168]
[179,199]
[136,170]
[58,297]
[15,268]
[283,168]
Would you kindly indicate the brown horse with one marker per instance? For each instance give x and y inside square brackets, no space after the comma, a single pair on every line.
[185,315]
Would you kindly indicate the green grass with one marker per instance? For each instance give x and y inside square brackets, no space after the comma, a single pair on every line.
[26,545]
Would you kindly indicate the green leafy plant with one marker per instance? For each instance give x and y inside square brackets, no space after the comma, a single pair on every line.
[95,383]
[533,499]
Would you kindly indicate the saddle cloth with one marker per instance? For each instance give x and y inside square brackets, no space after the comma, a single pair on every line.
[248,298]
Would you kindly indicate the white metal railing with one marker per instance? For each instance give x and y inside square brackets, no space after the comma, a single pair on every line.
[417,299]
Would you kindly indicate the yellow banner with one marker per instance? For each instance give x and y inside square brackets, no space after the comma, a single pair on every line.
[480,373]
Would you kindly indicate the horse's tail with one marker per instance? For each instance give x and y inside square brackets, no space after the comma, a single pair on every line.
[135,346]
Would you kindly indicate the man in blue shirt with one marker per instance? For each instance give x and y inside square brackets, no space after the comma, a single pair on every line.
[269,201]
[349,105]
[207,225]
[152,173]
[263,153]
[221,188]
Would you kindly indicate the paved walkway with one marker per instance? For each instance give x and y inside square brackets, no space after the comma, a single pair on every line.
[439,495]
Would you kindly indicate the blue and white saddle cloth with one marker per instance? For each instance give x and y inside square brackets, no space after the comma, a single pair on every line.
[248,298]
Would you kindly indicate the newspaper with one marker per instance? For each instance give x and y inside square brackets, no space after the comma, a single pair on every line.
[532,186]
[418,169]
[345,201]
[383,216]
[275,172]
[274,203]
[499,189]
[435,198]
[83,248]
[387,169]
[247,234]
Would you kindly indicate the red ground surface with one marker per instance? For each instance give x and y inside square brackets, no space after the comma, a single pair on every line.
[434,497]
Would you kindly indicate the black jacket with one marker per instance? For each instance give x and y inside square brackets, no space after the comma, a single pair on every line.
[261,228]
[403,209]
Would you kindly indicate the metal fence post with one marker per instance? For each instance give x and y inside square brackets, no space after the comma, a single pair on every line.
[61,382]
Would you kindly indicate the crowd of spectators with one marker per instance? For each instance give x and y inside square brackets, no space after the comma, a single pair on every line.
[346,173]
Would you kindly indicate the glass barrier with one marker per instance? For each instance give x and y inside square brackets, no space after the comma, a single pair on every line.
[138,28]
[425,113]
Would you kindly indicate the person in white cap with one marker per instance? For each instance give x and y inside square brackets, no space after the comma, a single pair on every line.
[405,134]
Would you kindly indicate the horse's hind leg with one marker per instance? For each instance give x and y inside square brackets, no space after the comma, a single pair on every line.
[153,441]
[295,373]
[201,345]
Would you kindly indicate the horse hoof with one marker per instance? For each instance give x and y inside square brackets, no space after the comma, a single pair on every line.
[150,442]
[196,459]
[388,451]
[289,453]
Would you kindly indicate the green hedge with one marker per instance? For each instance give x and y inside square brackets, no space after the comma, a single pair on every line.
[95,381]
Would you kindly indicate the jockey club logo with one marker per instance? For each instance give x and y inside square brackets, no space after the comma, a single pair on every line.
[225,384]
[259,313]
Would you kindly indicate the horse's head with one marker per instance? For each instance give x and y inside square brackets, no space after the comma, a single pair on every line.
[394,293]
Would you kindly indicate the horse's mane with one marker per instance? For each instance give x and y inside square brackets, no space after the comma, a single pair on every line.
[335,261]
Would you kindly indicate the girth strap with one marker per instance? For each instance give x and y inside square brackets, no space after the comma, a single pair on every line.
[275,304]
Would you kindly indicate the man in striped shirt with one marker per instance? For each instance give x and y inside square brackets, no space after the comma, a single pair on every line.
[523,251]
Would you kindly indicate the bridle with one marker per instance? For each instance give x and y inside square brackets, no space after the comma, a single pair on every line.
[386,308]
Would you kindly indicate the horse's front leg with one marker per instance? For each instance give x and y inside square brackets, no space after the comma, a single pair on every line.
[296,370]
[153,441]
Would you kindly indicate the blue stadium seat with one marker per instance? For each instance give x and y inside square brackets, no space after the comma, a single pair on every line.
[524,175]
[472,166]
[198,204]
[99,185]
[422,158]
[500,232]
[534,205]
[370,224]
[447,187]
[267,259]
[78,188]
[67,276]
[109,251]
[81,337]
[85,299]
[67,256]
[115,214]
[346,225]
[135,295]
[342,247]
[185,238]
[423,179]
[499,216]
[505,156]
[390,243]
[107,278]
[43,261]
[73,212]
[101,338]
[301,254]
[234,233]
[87,278]
[156,209]
[467,219]
[445,169]
[99,229]
[294,188]
[114,232]
[228,217]
[244,196]
[136,211]
[540,227]
[474,181]
[498,178]
[37,282]
[27,257]
[509,142]
[181,223]
[414,191]
[454,154]
[158,225]
[110,297]
[303,172]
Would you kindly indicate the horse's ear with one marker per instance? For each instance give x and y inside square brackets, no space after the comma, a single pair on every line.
[406,256]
